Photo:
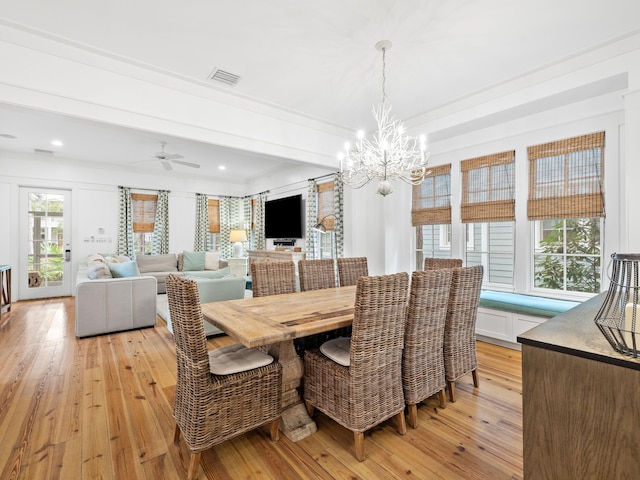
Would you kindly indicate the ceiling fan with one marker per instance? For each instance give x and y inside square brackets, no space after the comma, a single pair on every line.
[168,158]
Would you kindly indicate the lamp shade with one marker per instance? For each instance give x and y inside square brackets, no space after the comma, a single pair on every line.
[238,236]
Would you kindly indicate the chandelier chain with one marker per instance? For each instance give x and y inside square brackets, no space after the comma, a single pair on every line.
[384,75]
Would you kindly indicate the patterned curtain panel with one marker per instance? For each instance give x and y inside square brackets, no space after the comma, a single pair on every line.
[161,225]
[230,219]
[248,224]
[225,229]
[338,211]
[313,250]
[258,228]
[201,239]
[125,225]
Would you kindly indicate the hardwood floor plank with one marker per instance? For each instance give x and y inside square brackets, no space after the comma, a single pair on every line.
[96,445]
[101,407]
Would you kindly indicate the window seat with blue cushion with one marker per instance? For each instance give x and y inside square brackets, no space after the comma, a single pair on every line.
[527,304]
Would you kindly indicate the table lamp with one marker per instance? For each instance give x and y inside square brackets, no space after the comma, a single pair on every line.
[237,236]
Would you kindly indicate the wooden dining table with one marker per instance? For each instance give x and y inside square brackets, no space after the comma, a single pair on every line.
[275,321]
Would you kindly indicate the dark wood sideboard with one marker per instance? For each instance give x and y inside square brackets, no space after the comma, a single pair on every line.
[581,401]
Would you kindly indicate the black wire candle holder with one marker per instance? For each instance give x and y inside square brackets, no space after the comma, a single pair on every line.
[617,318]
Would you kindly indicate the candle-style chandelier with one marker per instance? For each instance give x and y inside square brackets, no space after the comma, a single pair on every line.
[391,154]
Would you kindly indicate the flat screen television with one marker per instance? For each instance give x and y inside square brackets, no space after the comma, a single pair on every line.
[283,217]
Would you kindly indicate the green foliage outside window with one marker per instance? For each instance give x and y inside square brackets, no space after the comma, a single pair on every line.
[568,257]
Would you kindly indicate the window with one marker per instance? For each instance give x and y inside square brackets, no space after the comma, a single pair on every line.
[434,241]
[445,237]
[492,245]
[213,208]
[488,210]
[326,214]
[326,245]
[566,205]
[567,254]
[431,215]
[143,210]
[326,205]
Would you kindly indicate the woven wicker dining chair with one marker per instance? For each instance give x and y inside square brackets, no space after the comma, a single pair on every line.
[352,268]
[422,357]
[438,263]
[317,274]
[460,327]
[209,409]
[369,390]
[273,278]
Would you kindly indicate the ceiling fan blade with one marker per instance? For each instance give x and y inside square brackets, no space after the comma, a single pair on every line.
[166,165]
[187,164]
[173,156]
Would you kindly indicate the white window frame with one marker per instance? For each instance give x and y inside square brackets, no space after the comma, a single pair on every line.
[445,239]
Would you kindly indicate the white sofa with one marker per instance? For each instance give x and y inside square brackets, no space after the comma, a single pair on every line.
[106,304]
[114,304]
[161,266]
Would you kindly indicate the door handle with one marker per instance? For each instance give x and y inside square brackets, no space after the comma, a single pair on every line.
[67,255]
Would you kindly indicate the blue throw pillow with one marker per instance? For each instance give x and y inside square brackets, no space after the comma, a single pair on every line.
[124,269]
[193,261]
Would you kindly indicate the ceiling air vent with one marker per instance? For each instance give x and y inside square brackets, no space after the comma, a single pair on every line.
[224,77]
[41,151]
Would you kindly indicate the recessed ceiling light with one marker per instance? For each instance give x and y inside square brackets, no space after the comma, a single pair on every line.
[57,143]
[222,167]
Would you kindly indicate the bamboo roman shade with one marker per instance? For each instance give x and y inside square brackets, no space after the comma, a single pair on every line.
[566,178]
[488,188]
[326,204]
[214,215]
[143,212]
[431,199]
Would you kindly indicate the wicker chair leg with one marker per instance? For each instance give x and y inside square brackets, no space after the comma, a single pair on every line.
[274,431]
[442,398]
[359,441]
[401,425]
[476,382]
[412,415]
[452,391]
[310,408]
[194,465]
[176,435]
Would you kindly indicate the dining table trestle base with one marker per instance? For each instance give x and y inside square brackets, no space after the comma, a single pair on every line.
[274,322]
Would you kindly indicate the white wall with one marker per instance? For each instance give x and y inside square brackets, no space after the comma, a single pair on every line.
[6,207]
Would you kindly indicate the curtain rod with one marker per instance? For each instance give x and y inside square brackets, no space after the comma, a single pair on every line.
[292,184]
[217,195]
[146,189]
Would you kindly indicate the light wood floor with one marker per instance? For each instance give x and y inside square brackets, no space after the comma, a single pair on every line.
[101,407]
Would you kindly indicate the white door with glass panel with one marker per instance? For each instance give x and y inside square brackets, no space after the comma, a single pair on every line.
[45,243]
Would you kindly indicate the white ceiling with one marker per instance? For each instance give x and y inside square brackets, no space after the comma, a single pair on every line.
[312,57]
